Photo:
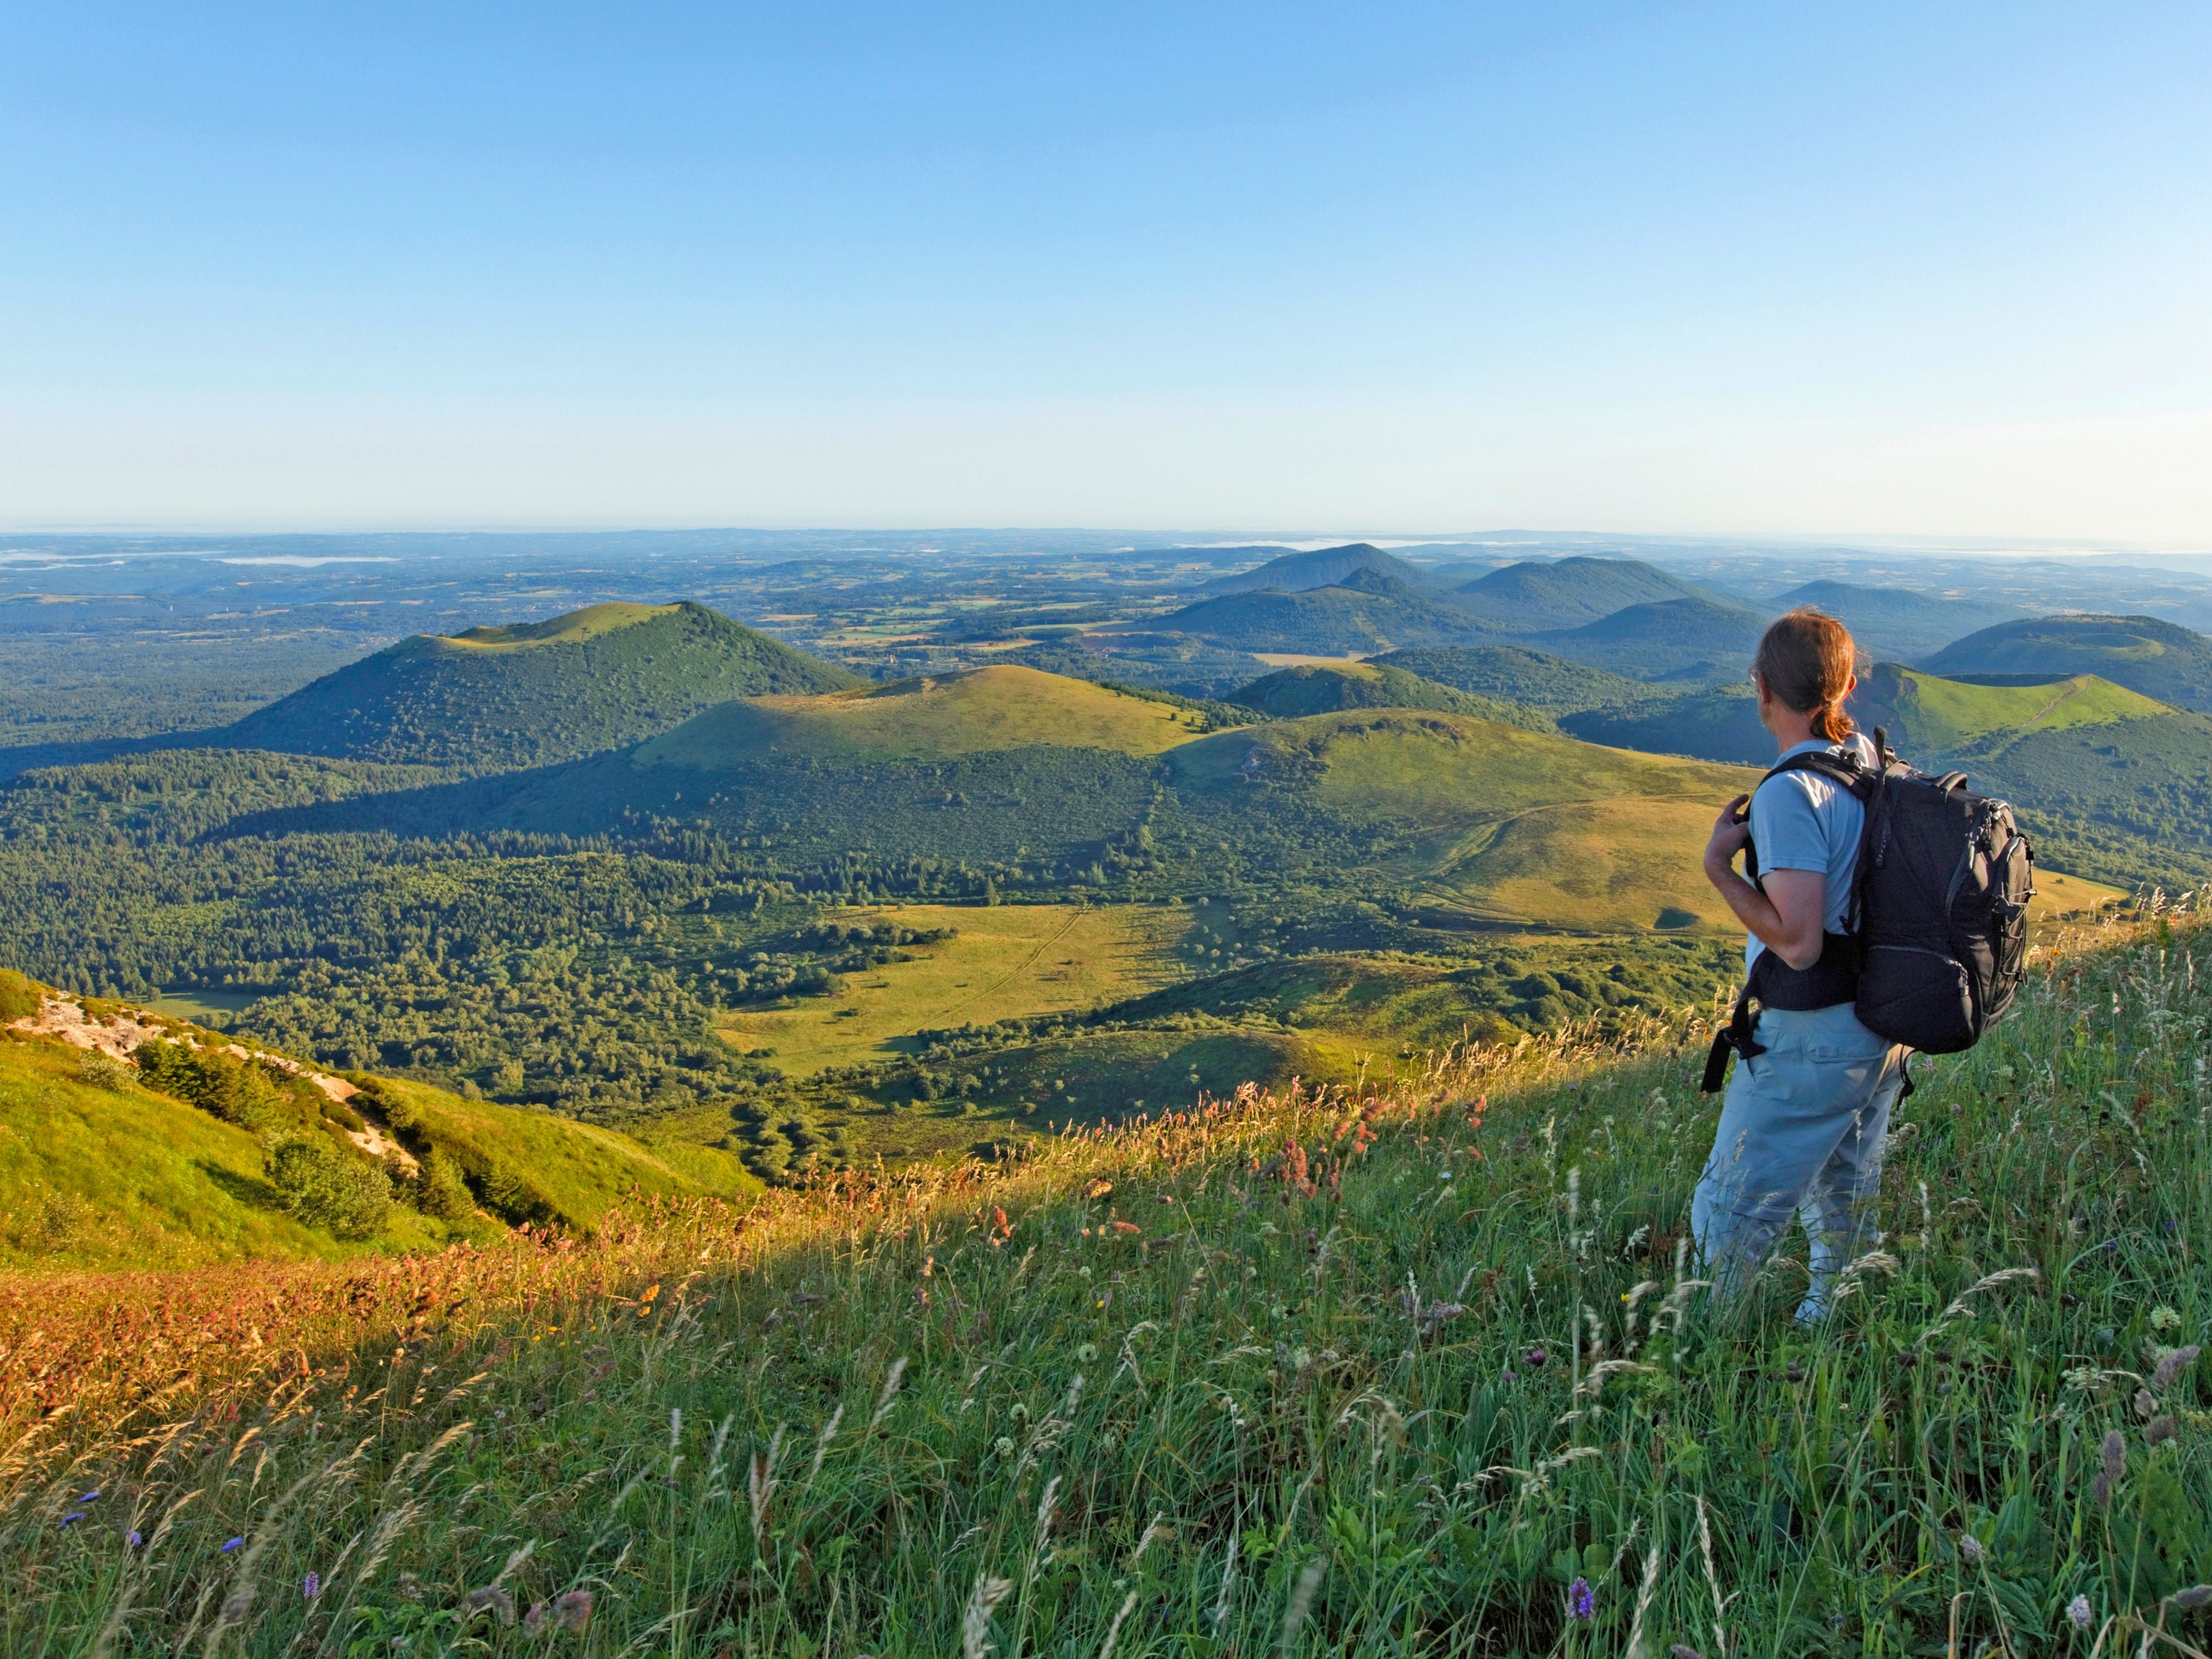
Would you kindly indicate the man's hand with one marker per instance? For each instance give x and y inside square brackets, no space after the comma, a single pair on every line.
[1730,831]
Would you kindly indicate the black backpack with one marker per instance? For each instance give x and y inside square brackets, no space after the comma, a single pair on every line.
[1939,914]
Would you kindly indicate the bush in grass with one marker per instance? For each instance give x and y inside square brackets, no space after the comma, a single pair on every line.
[320,1186]
[439,1190]
[103,1071]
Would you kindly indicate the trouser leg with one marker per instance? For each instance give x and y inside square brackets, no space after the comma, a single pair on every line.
[1802,1121]
[1838,1210]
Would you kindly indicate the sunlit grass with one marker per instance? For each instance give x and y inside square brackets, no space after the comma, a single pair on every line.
[1379,1372]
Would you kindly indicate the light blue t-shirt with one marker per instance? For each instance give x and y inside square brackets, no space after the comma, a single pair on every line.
[1803,821]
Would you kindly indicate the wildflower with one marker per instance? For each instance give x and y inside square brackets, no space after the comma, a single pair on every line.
[490,1599]
[2170,1366]
[534,1621]
[1003,1446]
[132,1539]
[78,1516]
[1534,1358]
[2078,1613]
[2158,1430]
[1970,1546]
[573,1611]
[1087,1352]
[230,1544]
[312,1586]
[89,1496]
[1581,1600]
[2165,1319]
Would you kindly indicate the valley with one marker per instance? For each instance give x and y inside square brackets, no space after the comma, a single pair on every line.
[964,862]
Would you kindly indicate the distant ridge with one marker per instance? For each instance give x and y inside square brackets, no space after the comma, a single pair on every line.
[1327,567]
[1535,596]
[531,693]
[1895,623]
[1369,611]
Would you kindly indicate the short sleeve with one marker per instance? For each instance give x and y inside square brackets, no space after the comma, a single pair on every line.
[1785,825]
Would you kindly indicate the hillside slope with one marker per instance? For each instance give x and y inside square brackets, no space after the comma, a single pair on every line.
[1420,1356]
[2161,659]
[104,1163]
[527,695]
[934,717]
[1513,674]
[1489,823]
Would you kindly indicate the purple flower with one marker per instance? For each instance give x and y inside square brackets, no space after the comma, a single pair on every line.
[66,1519]
[230,1544]
[132,1539]
[1535,1357]
[88,1496]
[1581,1600]
[312,1586]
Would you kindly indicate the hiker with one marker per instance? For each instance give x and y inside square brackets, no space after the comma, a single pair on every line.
[1802,1122]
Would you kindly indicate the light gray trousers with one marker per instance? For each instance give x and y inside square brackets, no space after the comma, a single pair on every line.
[1801,1133]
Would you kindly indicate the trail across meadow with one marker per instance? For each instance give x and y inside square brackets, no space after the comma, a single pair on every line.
[1417,1367]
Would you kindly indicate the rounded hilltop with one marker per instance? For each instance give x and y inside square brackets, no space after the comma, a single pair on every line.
[933,716]
[2159,659]
[530,694]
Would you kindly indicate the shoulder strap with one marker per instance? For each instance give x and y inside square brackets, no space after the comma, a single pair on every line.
[1845,769]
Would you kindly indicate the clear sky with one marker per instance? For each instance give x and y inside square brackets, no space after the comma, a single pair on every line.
[1927,267]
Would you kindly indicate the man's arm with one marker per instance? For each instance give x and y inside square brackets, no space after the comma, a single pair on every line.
[1787,917]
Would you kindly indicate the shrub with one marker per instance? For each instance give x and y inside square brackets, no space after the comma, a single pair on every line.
[320,1186]
[19,997]
[344,1116]
[103,1071]
[439,1190]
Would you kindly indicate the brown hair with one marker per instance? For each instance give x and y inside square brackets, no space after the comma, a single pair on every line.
[1807,660]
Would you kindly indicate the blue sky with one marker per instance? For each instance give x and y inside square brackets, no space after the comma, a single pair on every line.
[1814,268]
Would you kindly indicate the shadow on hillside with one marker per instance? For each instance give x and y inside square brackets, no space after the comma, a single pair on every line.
[34,756]
[249,1190]
[571,797]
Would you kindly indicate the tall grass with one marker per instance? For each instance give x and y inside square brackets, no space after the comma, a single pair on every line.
[1417,1367]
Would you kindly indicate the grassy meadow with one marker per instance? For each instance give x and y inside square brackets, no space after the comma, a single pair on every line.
[1415,1367]
[1006,961]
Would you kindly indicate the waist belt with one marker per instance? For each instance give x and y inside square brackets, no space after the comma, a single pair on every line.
[1773,983]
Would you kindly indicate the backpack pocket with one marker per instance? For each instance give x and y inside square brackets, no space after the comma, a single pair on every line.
[1921,998]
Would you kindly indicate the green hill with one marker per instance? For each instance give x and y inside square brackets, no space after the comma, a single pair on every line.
[1367,612]
[1489,823]
[1682,639]
[1895,623]
[1537,597]
[2114,784]
[1325,567]
[2161,659]
[1513,674]
[533,693]
[1326,689]
[933,717]
[106,1164]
